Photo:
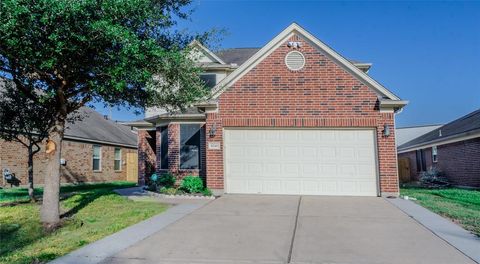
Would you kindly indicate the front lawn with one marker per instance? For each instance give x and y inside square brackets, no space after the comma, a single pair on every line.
[460,205]
[91,212]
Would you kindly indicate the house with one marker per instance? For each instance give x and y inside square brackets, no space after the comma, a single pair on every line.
[453,148]
[292,117]
[405,134]
[94,149]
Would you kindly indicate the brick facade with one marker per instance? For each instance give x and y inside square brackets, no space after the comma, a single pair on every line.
[321,95]
[460,161]
[150,158]
[78,168]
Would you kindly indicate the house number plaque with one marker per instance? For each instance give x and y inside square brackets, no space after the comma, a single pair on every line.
[214,145]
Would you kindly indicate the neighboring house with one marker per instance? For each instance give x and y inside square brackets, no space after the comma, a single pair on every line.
[453,148]
[292,117]
[94,149]
[405,134]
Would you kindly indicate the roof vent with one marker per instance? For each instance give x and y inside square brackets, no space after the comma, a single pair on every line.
[295,60]
[439,132]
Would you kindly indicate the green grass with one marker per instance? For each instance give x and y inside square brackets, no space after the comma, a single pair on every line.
[91,211]
[21,194]
[460,205]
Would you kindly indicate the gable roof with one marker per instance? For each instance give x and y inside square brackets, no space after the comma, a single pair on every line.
[212,56]
[239,55]
[467,126]
[94,127]
[279,40]
[405,134]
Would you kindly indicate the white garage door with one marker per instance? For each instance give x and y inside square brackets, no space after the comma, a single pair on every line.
[293,161]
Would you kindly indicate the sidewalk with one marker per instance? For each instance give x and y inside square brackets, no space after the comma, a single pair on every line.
[115,243]
[461,239]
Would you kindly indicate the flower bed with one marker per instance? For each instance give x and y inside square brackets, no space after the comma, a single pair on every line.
[190,187]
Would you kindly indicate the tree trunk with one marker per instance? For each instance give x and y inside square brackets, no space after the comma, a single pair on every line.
[50,212]
[30,173]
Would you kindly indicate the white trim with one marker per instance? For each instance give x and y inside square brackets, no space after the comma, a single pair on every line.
[209,53]
[279,40]
[115,159]
[99,158]
[441,141]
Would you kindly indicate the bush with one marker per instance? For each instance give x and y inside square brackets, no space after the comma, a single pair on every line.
[433,178]
[167,180]
[207,192]
[192,184]
[169,191]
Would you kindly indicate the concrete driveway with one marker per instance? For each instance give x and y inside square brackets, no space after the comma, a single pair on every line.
[293,229]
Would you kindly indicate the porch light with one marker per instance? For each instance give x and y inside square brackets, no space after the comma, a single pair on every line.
[386,130]
[213,130]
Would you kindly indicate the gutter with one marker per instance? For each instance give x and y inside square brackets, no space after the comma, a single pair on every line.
[99,142]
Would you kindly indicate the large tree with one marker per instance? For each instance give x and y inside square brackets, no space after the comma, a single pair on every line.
[23,121]
[82,51]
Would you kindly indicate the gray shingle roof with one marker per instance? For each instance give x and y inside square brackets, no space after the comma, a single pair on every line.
[464,124]
[240,55]
[94,126]
[405,134]
[236,55]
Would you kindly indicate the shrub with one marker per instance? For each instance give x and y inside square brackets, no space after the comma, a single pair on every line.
[169,191]
[192,184]
[207,192]
[433,178]
[167,180]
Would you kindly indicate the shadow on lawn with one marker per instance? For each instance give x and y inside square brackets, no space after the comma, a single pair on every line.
[25,231]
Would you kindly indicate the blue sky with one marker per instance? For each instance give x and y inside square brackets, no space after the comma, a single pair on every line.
[425,52]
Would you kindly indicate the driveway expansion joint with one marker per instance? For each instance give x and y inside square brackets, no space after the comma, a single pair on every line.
[289,259]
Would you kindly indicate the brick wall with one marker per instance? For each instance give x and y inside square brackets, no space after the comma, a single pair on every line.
[174,153]
[322,94]
[79,167]
[460,161]
[146,155]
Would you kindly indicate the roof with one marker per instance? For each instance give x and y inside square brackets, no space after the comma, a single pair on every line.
[405,134]
[465,125]
[240,55]
[236,55]
[94,127]
[294,28]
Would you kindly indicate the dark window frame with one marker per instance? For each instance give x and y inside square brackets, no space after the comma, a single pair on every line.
[164,148]
[190,149]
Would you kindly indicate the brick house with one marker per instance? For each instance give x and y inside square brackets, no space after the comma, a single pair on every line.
[454,148]
[292,117]
[94,149]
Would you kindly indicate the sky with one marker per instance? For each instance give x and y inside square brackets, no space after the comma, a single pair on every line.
[425,52]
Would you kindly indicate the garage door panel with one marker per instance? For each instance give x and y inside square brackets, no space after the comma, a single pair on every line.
[328,162]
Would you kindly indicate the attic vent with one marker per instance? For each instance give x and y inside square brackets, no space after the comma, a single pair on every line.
[295,60]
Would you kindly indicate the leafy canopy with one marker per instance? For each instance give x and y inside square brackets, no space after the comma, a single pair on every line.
[98,50]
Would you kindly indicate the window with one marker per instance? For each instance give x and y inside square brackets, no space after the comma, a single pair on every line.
[190,146]
[164,148]
[421,164]
[97,158]
[209,79]
[117,164]
[434,154]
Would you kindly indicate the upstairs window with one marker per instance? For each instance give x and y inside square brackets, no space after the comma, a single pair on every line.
[97,158]
[117,164]
[210,79]
[190,146]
